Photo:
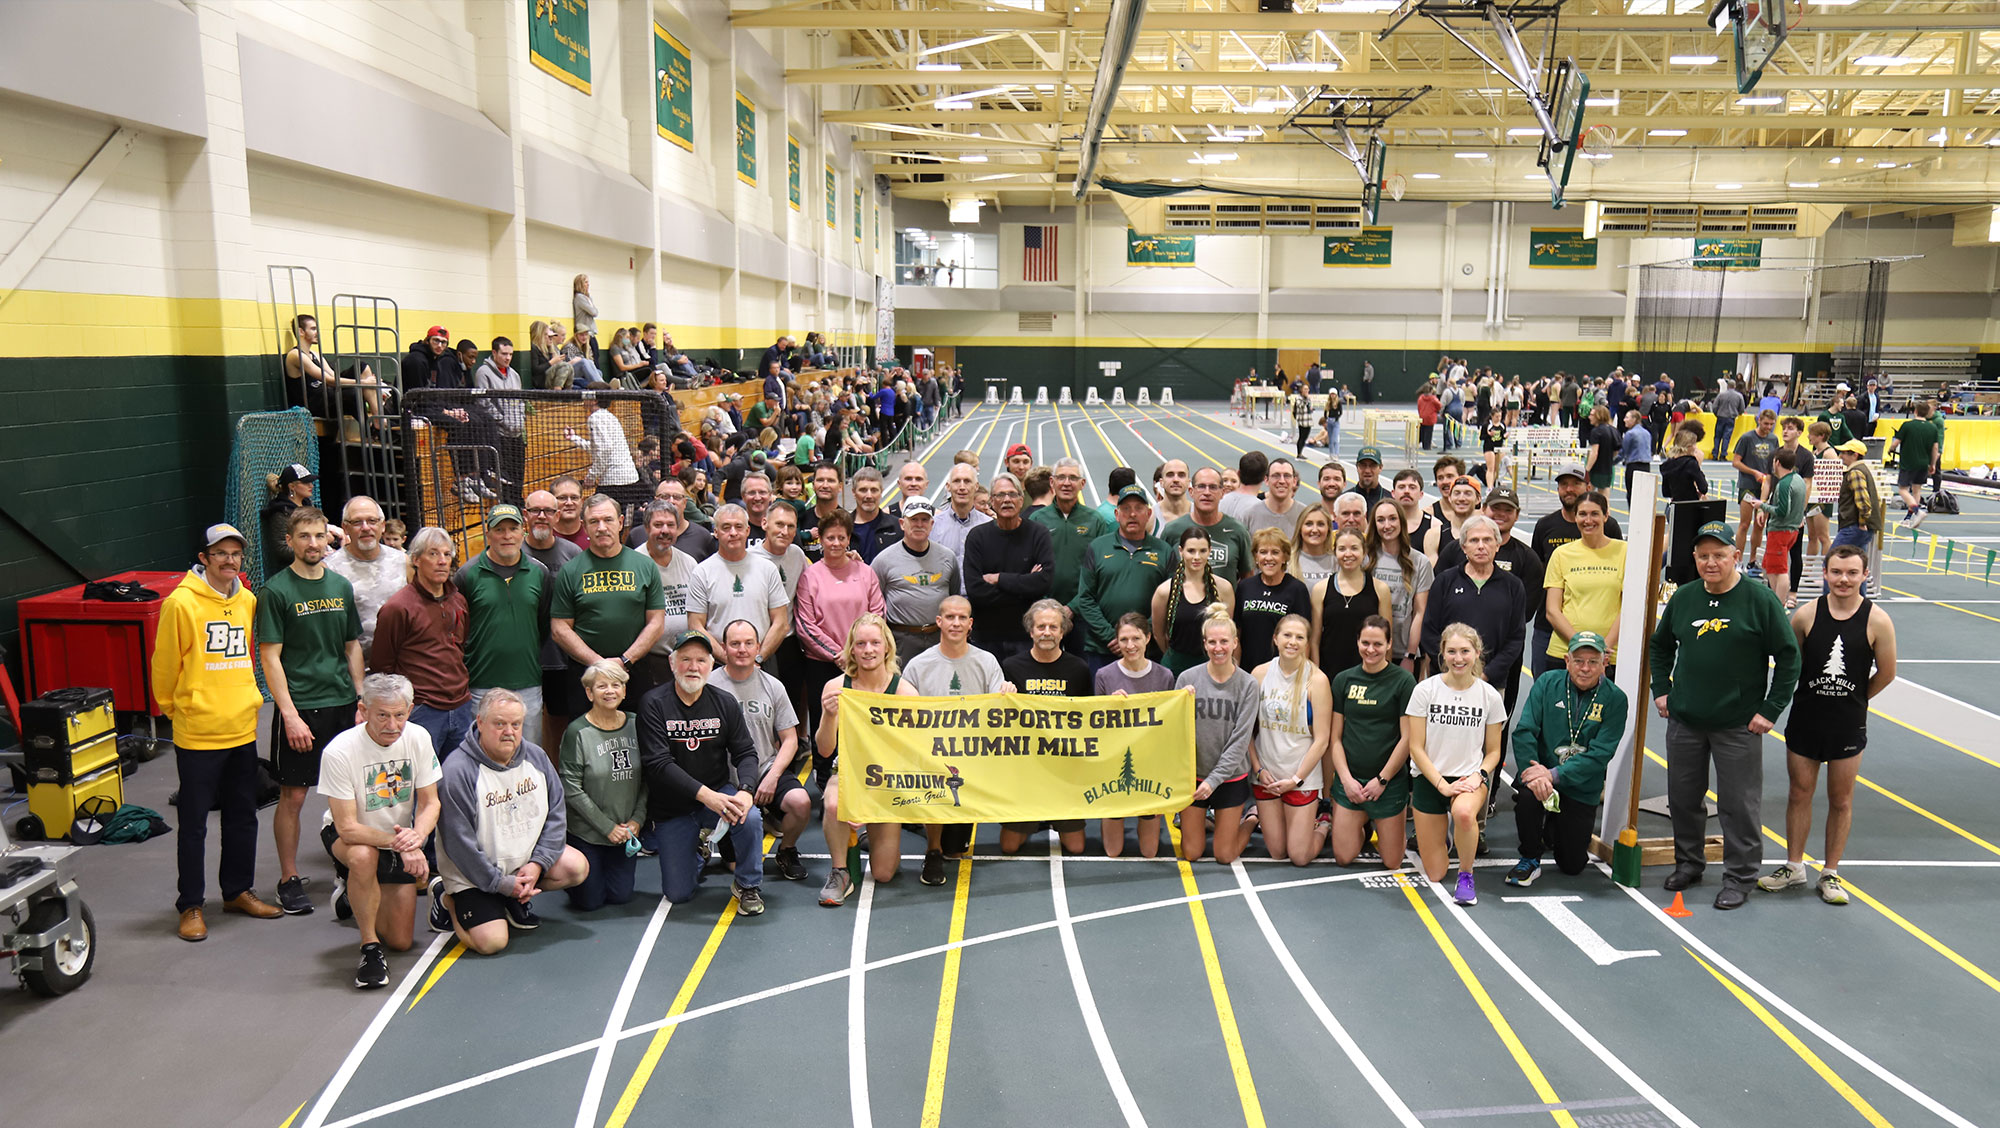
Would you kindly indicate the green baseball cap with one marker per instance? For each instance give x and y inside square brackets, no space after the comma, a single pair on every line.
[501,513]
[1588,640]
[1369,454]
[1715,530]
[1134,493]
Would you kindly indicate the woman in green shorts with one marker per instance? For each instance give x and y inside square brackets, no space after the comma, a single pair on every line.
[1455,745]
[1182,604]
[1370,749]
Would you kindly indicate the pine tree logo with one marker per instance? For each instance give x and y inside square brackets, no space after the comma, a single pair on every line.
[1126,776]
[737,587]
[956,688]
[1836,659]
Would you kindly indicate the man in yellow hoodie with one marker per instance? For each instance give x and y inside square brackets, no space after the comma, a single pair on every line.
[205,682]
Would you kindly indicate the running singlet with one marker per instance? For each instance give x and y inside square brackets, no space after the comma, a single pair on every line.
[1830,710]
[847,682]
[1284,727]
[1188,618]
[1340,619]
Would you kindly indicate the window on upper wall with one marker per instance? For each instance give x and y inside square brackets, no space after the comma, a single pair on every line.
[959,260]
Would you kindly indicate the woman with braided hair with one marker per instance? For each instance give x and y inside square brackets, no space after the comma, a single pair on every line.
[1179,603]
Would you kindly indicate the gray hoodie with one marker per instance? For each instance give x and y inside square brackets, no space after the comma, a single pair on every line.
[495,819]
[1223,717]
[508,413]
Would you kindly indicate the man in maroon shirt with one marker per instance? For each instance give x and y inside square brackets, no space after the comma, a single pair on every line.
[420,634]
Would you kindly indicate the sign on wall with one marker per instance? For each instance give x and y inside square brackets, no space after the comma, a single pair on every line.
[1728,254]
[559,40]
[673,88]
[792,181]
[1560,248]
[832,194]
[1158,250]
[1367,247]
[746,140]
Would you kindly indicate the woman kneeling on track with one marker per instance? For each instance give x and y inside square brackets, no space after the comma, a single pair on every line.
[867,662]
[1371,742]
[1225,712]
[1455,745]
[1294,720]
[1132,673]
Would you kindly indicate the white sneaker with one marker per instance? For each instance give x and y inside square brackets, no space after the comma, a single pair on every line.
[1787,876]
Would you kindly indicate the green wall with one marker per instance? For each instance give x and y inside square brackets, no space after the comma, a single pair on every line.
[110,464]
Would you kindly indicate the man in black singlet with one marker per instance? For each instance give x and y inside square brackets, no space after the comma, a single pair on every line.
[1046,670]
[1842,634]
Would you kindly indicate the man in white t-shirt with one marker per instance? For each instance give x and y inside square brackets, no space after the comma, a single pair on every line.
[375,570]
[774,729]
[663,525]
[380,781]
[736,583]
[952,668]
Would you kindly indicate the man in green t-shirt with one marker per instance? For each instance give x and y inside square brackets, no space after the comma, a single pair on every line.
[1921,441]
[308,633]
[1228,540]
[507,595]
[607,604]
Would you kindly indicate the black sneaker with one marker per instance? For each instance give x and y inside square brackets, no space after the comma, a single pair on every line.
[374,969]
[788,865]
[521,916]
[933,873]
[749,902]
[341,909]
[440,916]
[292,897]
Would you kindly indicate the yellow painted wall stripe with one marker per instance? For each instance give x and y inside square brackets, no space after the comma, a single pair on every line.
[1225,1013]
[443,965]
[1785,1035]
[629,1099]
[933,1114]
[1522,1058]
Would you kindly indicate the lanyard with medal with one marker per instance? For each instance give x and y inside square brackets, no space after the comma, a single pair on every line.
[1553,803]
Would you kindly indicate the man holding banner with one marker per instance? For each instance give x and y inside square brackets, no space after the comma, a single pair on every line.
[952,668]
[1046,671]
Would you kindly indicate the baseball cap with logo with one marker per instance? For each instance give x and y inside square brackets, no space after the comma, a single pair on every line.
[693,638]
[1134,493]
[1854,445]
[296,473]
[1715,530]
[1587,640]
[918,504]
[1571,470]
[220,532]
[1369,454]
[1501,495]
[1019,448]
[501,513]
[438,331]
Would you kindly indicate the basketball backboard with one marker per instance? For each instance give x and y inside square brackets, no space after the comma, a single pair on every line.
[1760,29]
[1571,86]
[1371,188]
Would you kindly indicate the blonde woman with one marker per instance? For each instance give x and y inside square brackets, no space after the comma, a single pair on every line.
[1312,545]
[583,311]
[1294,724]
[1455,747]
[868,663]
[1226,704]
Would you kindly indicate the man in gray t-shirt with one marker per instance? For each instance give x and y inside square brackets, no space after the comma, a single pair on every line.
[952,668]
[774,730]
[916,574]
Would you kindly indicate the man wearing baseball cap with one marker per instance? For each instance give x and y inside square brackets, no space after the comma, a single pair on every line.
[206,686]
[1120,574]
[1568,730]
[1368,477]
[694,746]
[1725,663]
[916,575]
[1860,511]
[420,364]
[1019,460]
[506,615]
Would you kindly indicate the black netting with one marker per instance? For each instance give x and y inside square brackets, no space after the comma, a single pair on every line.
[1851,303]
[1677,317]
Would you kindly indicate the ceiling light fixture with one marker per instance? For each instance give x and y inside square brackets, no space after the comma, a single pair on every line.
[1525,131]
[1666,133]
[1691,60]
[1833,160]
[1885,164]
[953,104]
[1727,187]
[1602,103]
[1761,100]
[1423,176]
[1801,183]
[1470,156]
[1303,66]
[973,158]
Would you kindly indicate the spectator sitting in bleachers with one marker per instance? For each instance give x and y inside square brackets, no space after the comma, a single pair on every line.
[311,383]
[579,352]
[420,364]
[546,367]
[629,366]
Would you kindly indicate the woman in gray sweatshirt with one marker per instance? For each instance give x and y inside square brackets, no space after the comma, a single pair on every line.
[1225,712]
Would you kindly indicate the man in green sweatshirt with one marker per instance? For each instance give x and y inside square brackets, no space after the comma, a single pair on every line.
[1784,514]
[1738,664]
[1072,527]
[1120,574]
[1568,731]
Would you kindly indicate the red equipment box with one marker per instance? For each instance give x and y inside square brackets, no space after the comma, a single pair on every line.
[67,640]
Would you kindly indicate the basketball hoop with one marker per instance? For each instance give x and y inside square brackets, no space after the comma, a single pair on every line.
[1595,144]
[1396,186]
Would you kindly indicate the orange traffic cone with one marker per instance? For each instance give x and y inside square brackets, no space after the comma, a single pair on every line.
[1678,908]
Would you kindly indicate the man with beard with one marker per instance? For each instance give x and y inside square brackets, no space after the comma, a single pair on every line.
[375,570]
[694,747]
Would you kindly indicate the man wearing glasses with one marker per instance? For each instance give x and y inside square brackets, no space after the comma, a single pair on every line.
[1228,541]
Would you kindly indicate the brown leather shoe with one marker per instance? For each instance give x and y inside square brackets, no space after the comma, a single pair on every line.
[247,903]
[192,926]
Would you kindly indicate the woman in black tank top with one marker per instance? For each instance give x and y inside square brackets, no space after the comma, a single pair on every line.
[1829,717]
[1342,602]
[1177,619]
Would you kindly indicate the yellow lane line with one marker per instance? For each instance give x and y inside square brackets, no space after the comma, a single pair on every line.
[933,1114]
[627,1101]
[443,965]
[889,494]
[1225,1013]
[1934,736]
[1062,434]
[1894,917]
[1522,1058]
[1106,439]
[294,1115]
[1785,1035]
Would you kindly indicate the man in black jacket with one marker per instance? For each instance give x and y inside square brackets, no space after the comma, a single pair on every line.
[1009,564]
[693,747]
[420,364]
[1485,598]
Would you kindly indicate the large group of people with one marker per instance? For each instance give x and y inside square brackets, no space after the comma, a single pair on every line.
[580,694]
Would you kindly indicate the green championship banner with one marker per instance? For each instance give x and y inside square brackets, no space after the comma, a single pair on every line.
[832,193]
[673,89]
[1158,250]
[559,40]
[857,211]
[1367,247]
[746,140]
[1728,254]
[1560,248]
[792,190]
[1014,757]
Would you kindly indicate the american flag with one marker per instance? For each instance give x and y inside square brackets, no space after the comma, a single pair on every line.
[1038,254]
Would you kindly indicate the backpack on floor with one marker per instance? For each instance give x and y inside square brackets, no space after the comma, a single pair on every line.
[1943,501]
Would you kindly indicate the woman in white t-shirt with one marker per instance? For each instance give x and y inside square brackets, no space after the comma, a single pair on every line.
[1294,723]
[1455,747]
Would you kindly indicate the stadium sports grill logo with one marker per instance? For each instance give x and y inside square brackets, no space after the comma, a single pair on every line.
[926,785]
[388,784]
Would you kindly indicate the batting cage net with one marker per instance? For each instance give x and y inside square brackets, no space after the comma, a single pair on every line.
[1852,298]
[1677,318]
[467,450]
[266,442]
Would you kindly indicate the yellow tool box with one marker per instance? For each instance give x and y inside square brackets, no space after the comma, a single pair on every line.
[69,740]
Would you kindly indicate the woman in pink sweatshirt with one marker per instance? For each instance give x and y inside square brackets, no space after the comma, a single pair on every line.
[832,594]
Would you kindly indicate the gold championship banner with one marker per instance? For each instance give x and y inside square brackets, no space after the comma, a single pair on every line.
[1010,757]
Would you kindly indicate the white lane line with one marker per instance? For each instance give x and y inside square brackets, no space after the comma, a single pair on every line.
[1076,443]
[600,1068]
[390,1008]
[857,1016]
[1117,456]
[1092,1021]
[1902,661]
[1318,1005]
[1136,434]
[457,1087]
[1792,1012]
[1576,1029]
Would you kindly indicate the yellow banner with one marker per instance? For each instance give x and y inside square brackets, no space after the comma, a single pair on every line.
[1014,757]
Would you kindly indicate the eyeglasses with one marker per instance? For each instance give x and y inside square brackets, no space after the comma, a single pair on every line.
[543,510]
